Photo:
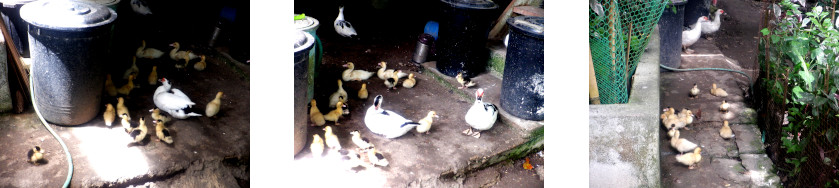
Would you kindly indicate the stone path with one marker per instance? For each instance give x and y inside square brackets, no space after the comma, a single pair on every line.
[737,162]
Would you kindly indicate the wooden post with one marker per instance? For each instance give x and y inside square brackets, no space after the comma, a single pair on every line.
[593,93]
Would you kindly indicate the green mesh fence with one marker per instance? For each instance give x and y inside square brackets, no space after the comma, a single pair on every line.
[618,34]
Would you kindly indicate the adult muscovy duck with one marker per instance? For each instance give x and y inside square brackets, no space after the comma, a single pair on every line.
[692,35]
[709,27]
[173,101]
[481,115]
[343,27]
[386,122]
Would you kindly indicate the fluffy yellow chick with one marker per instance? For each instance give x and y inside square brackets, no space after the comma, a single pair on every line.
[36,155]
[334,115]
[362,93]
[690,159]
[315,115]
[163,133]
[214,105]
[109,86]
[376,158]
[725,131]
[694,91]
[340,95]
[464,81]
[201,64]
[126,89]
[719,92]
[317,146]
[681,144]
[724,106]
[359,141]
[139,133]
[331,139]
[392,81]
[155,114]
[110,114]
[125,123]
[410,82]
[425,123]
[121,109]
[153,76]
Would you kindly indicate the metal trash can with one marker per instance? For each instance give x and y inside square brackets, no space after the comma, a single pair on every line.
[423,47]
[310,25]
[69,48]
[462,36]
[670,32]
[303,43]
[15,25]
[523,87]
[695,9]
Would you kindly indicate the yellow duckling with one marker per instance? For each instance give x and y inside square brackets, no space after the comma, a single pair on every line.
[110,114]
[410,82]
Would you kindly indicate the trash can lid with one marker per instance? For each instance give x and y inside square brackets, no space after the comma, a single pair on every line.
[104,2]
[66,15]
[306,23]
[530,25]
[472,4]
[302,40]
[12,3]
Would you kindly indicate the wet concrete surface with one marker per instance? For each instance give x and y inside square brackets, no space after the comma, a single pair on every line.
[102,156]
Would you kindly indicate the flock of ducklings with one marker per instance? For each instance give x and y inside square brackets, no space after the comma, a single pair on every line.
[674,121]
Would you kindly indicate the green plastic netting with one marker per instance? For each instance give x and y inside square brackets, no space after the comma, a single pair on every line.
[617,37]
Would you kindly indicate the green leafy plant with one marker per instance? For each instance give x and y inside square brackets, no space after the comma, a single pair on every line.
[801,64]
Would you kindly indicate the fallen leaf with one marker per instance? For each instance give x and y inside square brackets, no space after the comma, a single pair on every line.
[527,165]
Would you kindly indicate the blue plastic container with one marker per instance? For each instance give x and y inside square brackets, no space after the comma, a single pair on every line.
[431,28]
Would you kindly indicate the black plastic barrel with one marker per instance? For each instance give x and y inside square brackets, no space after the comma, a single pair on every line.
[462,36]
[695,9]
[303,43]
[523,88]
[15,25]
[670,33]
[69,41]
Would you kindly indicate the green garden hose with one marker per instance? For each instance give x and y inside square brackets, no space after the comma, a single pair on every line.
[64,146]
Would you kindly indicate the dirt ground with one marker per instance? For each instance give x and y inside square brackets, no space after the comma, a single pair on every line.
[737,37]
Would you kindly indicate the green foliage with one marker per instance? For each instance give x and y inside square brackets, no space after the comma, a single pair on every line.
[801,65]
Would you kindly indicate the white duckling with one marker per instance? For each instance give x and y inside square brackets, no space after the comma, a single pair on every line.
[481,115]
[173,101]
[178,55]
[148,53]
[354,75]
[132,70]
[681,144]
[386,122]
[337,96]
[384,73]
[343,27]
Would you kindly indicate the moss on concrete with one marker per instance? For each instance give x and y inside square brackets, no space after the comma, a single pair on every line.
[535,142]
[447,85]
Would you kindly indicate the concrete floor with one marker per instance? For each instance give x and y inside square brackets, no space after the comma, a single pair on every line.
[416,160]
[207,152]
